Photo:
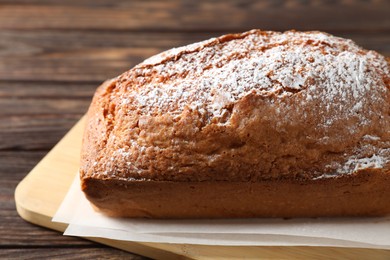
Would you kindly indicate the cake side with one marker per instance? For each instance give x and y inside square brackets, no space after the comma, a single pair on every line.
[245,107]
[364,193]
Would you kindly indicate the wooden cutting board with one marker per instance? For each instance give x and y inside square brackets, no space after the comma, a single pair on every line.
[41,192]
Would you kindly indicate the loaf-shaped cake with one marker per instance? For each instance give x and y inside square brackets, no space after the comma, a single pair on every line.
[258,124]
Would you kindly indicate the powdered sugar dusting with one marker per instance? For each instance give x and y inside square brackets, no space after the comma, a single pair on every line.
[355,163]
[333,83]
[278,64]
[375,162]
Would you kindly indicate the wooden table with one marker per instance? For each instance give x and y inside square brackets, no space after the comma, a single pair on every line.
[53,54]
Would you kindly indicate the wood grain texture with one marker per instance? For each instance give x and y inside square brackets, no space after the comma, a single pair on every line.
[19,90]
[53,55]
[38,132]
[198,15]
[67,253]
[35,115]
[14,231]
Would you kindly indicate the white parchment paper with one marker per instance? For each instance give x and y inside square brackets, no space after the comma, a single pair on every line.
[83,221]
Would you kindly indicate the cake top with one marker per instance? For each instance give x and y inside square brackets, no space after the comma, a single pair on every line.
[320,104]
[212,75]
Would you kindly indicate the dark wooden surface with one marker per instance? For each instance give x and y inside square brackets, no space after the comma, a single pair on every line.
[53,54]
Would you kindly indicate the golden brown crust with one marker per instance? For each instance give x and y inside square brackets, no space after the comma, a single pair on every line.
[363,194]
[245,108]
